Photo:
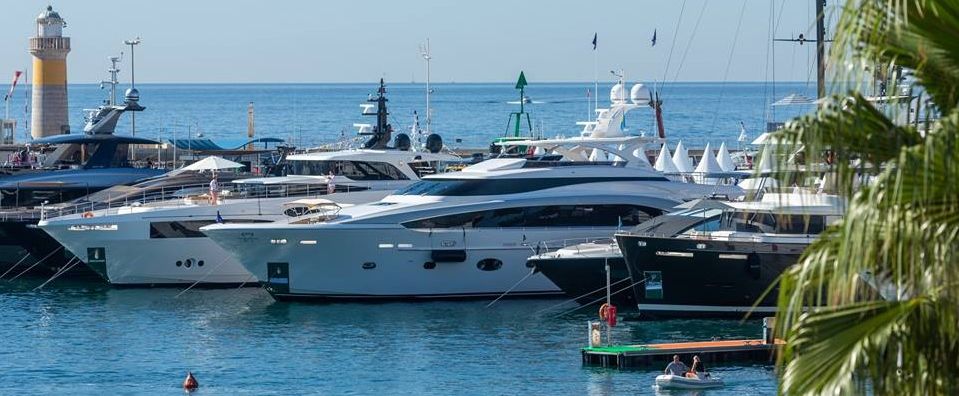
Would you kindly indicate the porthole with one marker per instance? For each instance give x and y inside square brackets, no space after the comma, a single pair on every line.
[179,263]
[369,265]
[188,263]
[489,264]
[200,263]
[429,265]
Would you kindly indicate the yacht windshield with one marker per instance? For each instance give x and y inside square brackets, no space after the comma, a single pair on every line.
[356,170]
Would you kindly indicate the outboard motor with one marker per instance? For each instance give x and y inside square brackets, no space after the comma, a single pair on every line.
[434,143]
[402,142]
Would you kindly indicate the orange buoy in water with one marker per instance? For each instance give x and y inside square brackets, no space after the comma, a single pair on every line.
[190,383]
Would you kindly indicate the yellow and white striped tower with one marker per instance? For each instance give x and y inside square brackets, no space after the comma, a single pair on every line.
[49,49]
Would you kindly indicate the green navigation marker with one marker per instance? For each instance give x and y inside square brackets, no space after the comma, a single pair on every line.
[521,83]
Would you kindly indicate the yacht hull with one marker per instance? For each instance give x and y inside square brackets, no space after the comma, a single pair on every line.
[585,279]
[699,278]
[392,262]
[124,249]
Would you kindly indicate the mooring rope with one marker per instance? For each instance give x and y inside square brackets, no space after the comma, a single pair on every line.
[36,263]
[599,299]
[15,265]
[531,272]
[69,266]
[202,278]
[579,297]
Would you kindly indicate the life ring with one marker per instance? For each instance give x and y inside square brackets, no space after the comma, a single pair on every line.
[87,214]
[607,313]
[603,311]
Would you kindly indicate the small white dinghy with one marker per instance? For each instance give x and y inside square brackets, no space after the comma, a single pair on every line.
[667,381]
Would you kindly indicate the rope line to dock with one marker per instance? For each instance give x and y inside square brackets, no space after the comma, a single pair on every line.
[578,297]
[202,278]
[531,272]
[15,265]
[599,299]
[69,266]
[36,263]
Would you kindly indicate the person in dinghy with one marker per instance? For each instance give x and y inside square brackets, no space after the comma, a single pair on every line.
[698,370]
[676,367]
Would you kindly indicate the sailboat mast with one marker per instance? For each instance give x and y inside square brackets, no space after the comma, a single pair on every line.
[820,48]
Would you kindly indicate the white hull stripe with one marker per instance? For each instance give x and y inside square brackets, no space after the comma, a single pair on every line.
[702,308]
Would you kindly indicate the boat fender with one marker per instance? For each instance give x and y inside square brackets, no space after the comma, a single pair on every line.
[87,214]
[190,383]
[607,313]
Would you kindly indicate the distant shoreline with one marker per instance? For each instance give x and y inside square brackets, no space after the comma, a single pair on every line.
[454,83]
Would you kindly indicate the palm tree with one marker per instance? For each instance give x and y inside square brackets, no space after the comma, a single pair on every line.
[884,282]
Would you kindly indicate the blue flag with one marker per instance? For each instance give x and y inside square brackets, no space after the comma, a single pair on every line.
[654,38]
[219,219]
[594,40]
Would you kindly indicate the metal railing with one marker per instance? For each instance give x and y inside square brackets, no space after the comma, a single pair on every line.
[192,195]
[550,246]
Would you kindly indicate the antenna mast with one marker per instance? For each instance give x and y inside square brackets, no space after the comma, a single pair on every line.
[114,70]
[425,53]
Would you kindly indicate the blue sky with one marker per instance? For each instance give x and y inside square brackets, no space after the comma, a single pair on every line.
[474,41]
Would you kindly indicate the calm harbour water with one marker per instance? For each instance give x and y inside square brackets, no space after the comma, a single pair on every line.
[88,338]
[74,338]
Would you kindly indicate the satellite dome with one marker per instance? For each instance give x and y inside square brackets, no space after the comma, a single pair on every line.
[132,95]
[617,94]
[639,94]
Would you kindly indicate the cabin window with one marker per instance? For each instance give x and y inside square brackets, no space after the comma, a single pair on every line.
[187,228]
[356,170]
[543,216]
[471,187]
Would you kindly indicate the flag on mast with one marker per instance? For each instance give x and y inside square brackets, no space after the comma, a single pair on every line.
[595,35]
[654,38]
[16,77]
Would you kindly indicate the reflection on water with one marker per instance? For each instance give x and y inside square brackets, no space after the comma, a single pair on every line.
[75,337]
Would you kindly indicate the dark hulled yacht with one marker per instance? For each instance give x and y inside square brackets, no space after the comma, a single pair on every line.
[723,270]
[580,270]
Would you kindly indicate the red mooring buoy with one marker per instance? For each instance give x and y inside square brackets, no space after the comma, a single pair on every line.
[190,383]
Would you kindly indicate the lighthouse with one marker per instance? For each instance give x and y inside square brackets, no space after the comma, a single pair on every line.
[49,49]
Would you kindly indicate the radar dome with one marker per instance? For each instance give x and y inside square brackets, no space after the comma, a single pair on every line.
[402,142]
[639,94]
[132,95]
[434,143]
[617,94]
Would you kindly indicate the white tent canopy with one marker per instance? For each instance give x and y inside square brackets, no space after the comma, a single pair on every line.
[664,162]
[725,160]
[212,163]
[681,159]
[708,164]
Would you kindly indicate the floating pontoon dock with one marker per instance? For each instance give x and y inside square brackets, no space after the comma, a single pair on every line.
[658,355]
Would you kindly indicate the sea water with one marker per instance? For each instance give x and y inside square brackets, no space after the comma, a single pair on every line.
[87,338]
[466,115]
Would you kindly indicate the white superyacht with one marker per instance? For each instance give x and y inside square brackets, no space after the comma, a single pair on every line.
[456,235]
[159,243]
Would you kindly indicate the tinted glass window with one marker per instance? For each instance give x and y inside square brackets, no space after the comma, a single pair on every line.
[451,187]
[543,216]
[356,170]
[187,229]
